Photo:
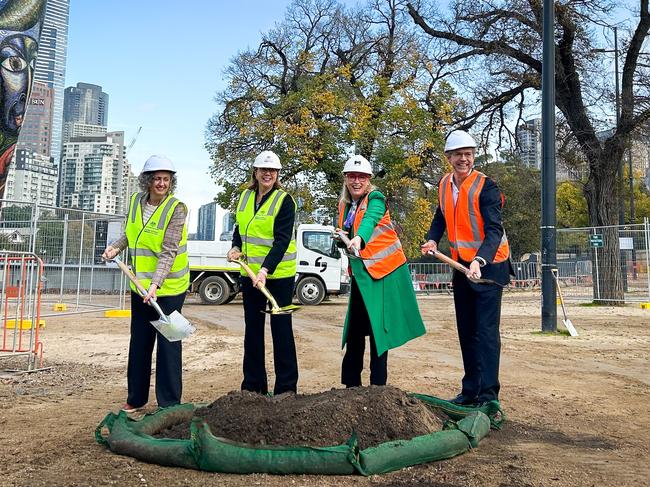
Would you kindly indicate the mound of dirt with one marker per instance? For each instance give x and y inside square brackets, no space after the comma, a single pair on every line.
[376,413]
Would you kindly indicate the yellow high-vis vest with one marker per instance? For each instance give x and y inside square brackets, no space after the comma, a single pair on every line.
[145,245]
[256,230]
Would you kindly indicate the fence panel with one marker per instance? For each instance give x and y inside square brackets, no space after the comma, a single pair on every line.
[582,264]
[20,307]
[70,243]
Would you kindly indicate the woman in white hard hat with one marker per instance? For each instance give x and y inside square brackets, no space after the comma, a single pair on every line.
[382,301]
[156,236]
[264,232]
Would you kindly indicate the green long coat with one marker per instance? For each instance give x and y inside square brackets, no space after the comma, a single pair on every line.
[390,301]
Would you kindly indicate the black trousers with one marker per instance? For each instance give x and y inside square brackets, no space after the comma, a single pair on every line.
[168,355]
[355,345]
[284,346]
[478,312]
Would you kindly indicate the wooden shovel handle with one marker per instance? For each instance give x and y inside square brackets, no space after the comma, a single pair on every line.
[448,260]
[130,275]
[262,288]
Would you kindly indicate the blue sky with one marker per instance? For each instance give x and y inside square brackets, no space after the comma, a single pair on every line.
[161,64]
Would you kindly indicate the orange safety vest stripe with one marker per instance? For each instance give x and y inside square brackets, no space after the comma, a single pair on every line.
[383,252]
[465,226]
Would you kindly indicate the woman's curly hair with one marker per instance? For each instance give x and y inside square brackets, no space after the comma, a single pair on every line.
[146,178]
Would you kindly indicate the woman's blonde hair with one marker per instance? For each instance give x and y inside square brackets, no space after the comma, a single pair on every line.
[254,184]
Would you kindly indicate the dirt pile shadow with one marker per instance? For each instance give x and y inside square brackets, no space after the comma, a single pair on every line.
[377,414]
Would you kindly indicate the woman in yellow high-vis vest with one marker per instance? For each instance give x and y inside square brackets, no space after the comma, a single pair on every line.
[264,232]
[156,236]
[382,301]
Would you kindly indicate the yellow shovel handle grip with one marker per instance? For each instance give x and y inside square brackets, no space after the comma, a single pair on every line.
[263,289]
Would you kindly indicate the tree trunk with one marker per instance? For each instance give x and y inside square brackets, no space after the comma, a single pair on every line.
[601,194]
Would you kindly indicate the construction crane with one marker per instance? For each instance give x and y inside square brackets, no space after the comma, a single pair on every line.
[135,137]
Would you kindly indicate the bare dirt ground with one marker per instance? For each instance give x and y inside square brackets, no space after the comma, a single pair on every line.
[578,408]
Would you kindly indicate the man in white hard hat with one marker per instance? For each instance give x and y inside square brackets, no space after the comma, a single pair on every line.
[264,232]
[156,235]
[469,210]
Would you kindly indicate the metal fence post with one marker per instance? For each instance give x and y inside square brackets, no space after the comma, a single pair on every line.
[596,262]
[646,232]
[92,262]
[34,214]
[64,253]
[81,253]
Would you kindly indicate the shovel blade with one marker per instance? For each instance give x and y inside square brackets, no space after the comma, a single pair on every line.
[569,326]
[285,310]
[174,327]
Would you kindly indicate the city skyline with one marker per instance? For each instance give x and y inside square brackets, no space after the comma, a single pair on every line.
[163,74]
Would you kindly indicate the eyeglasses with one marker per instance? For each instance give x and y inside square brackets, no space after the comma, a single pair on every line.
[267,169]
[357,177]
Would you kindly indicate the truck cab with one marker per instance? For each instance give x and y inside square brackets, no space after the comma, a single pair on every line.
[322,269]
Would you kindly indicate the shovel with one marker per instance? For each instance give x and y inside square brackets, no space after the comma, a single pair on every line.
[566,321]
[173,327]
[460,267]
[275,309]
[342,237]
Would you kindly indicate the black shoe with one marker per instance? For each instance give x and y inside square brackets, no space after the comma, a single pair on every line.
[462,400]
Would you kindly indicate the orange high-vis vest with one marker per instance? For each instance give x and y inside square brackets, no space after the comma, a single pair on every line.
[464,220]
[383,251]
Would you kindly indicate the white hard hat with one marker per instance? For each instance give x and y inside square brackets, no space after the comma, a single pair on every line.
[158,163]
[459,139]
[268,159]
[357,163]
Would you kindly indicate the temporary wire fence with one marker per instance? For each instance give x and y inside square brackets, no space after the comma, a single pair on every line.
[586,270]
[70,243]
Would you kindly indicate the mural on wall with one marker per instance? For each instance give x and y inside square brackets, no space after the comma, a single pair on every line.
[20,28]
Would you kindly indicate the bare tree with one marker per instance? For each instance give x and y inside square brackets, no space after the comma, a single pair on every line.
[495,48]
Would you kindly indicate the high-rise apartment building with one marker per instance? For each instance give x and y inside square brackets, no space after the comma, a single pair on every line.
[529,138]
[206,223]
[50,63]
[76,129]
[94,174]
[86,104]
[32,178]
[36,132]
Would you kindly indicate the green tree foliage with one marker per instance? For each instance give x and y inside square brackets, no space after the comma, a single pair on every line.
[327,82]
[571,206]
[521,187]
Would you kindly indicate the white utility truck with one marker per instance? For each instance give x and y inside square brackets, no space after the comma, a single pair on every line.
[322,268]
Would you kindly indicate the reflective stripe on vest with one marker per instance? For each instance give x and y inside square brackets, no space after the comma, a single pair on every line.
[383,251]
[256,230]
[465,226]
[145,246]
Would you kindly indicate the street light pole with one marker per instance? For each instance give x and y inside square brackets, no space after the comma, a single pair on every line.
[549,218]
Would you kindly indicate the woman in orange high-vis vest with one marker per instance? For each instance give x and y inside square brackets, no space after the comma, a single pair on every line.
[382,301]
[470,211]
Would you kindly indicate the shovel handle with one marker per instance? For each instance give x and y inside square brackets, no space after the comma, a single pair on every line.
[460,267]
[137,283]
[448,260]
[130,275]
[251,274]
[340,235]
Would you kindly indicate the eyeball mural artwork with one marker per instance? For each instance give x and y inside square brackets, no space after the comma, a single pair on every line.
[20,26]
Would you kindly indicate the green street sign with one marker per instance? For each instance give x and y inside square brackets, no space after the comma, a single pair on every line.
[596,240]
